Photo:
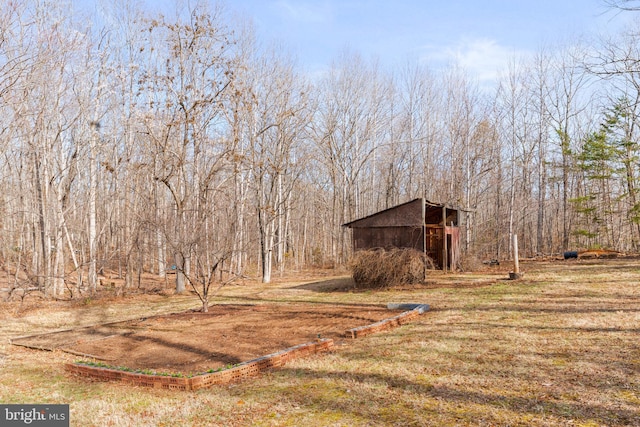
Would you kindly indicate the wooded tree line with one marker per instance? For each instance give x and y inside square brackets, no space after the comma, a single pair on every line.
[138,142]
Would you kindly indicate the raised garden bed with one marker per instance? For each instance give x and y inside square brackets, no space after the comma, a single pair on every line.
[191,350]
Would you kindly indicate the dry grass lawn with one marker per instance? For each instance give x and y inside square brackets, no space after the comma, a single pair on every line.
[560,347]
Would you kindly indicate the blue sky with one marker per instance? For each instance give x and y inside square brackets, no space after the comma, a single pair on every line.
[480,35]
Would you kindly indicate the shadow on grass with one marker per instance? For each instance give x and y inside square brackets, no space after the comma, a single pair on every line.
[572,329]
[346,284]
[412,399]
[260,300]
[559,309]
[342,284]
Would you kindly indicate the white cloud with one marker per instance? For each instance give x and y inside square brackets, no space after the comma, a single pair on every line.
[304,12]
[483,58]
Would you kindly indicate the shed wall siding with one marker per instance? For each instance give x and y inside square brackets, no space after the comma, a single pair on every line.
[388,237]
[407,215]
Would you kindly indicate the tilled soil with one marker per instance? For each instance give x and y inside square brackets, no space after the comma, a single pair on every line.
[194,342]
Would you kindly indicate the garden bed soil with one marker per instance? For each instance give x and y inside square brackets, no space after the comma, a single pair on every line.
[194,342]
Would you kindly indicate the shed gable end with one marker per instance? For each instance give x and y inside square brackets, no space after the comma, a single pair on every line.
[406,215]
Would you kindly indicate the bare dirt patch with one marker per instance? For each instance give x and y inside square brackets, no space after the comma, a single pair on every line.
[194,342]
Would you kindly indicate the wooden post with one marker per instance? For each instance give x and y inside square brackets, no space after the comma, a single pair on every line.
[445,249]
[424,236]
[516,264]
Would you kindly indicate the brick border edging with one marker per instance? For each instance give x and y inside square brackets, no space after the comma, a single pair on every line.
[239,371]
[390,323]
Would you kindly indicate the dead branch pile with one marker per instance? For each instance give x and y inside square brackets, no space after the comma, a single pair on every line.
[379,268]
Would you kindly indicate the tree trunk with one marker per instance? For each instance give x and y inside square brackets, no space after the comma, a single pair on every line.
[180,271]
[93,186]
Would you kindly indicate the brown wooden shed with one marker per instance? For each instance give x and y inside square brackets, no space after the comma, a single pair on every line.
[418,224]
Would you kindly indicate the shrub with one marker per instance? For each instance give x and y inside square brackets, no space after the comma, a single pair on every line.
[470,262]
[379,268]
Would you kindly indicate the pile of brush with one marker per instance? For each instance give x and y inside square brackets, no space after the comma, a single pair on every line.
[379,268]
